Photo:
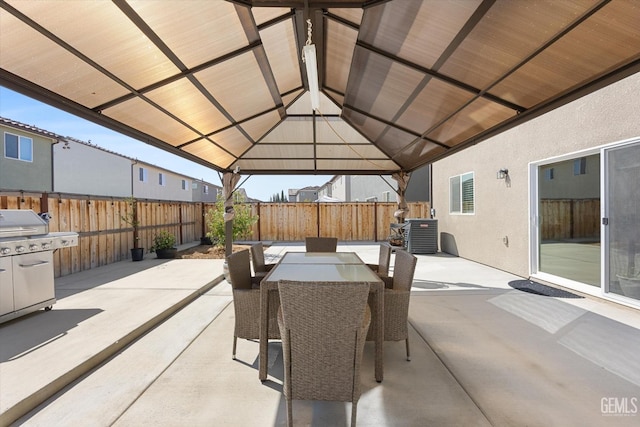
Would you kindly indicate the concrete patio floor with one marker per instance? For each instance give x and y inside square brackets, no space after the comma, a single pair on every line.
[149,343]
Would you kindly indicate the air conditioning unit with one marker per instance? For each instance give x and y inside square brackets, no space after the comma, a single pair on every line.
[422,235]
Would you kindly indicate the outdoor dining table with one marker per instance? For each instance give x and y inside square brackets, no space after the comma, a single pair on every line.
[328,267]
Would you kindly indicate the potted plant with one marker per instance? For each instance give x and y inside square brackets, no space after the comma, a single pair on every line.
[164,245]
[131,218]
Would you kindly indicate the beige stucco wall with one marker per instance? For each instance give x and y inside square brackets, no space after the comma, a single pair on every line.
[502,208]
[32,175]
[84,169]
[151,189]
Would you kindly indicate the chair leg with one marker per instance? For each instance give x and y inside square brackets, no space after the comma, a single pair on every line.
[354,413]
[408,354]
[233,355]
[289,413]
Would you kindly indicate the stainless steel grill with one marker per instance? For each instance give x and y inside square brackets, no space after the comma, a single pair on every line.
[26,262]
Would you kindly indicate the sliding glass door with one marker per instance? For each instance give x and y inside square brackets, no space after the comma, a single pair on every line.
[569,219]
[586,220]
[623,217]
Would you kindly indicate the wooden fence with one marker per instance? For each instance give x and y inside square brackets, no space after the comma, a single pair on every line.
[104,237]
[563,219]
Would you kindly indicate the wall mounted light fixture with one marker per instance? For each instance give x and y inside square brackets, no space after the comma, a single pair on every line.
[502,173]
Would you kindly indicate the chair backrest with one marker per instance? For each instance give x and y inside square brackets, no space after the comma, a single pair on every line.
[323,324]
[403,270]
[257,255]
[321,244]
[239,267]
[384,259]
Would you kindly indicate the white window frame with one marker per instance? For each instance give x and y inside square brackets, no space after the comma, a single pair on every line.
[534,221]
[205,189]
[185,185]
[143,174]
[162,179]
[459,191]
[22,140]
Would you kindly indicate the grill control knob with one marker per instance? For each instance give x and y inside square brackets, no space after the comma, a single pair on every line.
[64,243]
[33,247]
[20,249]
[5,251]
[46,246]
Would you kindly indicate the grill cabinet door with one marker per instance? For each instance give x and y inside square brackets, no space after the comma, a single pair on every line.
[33,279]
[6,286]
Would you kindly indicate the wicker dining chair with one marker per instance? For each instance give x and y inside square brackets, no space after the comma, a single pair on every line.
[257,255]
[321,244]
[323,326]
[384,258]
[396,301]
[246,301]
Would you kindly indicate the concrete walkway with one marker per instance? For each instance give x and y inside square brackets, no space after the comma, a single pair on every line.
[488,348]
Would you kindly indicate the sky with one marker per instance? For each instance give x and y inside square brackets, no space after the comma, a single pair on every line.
[18,107]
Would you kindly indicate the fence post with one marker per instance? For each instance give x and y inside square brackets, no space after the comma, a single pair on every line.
[375,221]
[318,216]
[180,221]
[258,213]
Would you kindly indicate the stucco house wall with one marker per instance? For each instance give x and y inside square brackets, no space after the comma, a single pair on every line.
[372,188]
[150,187]
[34,175]
[81,168]
[502,206]
[202,191]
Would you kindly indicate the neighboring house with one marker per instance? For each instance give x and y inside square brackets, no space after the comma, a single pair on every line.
[26,160]
[37,160]
[84,168]
[307,194]
[153,182]
[325,190]
[371,188]
[202,191]
[376,188]
[568,210]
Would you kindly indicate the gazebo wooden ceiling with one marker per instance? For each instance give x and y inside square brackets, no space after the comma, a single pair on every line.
[403,82]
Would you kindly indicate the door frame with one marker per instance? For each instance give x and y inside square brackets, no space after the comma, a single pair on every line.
[534,222]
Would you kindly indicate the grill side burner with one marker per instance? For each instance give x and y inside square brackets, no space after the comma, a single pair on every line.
[26,262]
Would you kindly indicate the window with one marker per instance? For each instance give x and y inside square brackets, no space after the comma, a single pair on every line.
[548,174]
[461,194]
[142,174]
[205,189]
[194,185]
[18,147]
[162,180]
[184,184]
[385,196]
[580,166]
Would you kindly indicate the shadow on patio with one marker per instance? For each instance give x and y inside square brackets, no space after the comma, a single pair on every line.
[483,353]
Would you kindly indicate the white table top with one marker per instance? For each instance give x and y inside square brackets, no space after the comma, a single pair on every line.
[321,258]
[322,272]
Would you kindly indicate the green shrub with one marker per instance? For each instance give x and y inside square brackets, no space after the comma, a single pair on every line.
[242,222]
[163,240]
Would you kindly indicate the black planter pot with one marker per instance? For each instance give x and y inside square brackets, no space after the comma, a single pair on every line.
[168,253]
[137,254]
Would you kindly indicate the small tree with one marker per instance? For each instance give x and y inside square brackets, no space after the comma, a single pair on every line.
[131,218]
[243,221]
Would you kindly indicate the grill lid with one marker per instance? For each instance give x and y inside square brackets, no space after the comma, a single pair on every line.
[21,222]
